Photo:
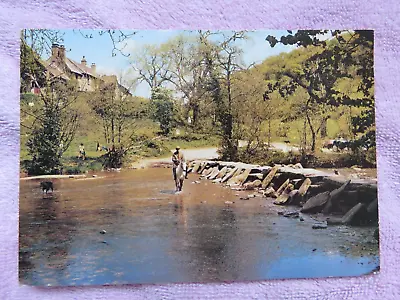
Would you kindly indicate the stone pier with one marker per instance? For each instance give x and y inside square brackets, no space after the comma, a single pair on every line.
[342,201]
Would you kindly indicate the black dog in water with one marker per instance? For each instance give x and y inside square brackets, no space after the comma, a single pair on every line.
[46,186]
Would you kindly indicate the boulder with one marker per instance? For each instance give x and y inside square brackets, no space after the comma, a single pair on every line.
[282,199]
[196,167]
[293,195]
[213,174]
[286,196]
[292,214]
[304,187]
[267,180]
[334,196]
[229,174]
[270,192]
[316,203]
[252,185]
[299,195]
[253,176]
[334,221]
[208,172]
[373,206]
[202,167]
[319,226]
[222,173]
[242,177]
[352,215]
[282,187]
[234,180]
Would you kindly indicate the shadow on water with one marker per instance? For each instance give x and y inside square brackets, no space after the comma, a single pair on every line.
[133,228]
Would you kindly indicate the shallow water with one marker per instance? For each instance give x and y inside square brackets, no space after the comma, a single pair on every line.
[156,236]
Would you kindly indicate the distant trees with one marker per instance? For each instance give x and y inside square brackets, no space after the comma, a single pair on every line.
[177,65]
[162,109]
[117,111]
[223,61]
[253,112]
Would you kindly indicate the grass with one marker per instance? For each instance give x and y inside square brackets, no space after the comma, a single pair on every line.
[317,160]
[150,146]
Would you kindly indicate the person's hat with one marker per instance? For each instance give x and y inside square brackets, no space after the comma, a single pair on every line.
[177,148]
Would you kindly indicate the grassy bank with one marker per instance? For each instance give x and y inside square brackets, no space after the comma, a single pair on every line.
[366,159]
[146,147]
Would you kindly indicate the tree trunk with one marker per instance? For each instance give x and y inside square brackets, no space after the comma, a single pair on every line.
[304,138]
[324,127]
[269,132]
[196,111]
[313,134]
[112,131]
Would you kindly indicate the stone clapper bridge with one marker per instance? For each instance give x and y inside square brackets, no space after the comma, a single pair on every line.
[341,201]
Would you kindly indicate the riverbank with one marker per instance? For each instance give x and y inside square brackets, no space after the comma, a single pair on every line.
[328,161]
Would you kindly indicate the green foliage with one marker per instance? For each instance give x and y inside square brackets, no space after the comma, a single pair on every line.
[316,160]
[346,55]
[52,129]
[32,71]
[44,144]
[162,107]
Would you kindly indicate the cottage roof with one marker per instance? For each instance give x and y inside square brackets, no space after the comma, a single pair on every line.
[79,68]
[55,70]
[73,66]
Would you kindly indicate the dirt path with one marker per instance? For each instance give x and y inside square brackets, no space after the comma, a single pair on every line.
[190,154]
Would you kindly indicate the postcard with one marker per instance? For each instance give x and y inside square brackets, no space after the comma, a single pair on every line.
[171,156]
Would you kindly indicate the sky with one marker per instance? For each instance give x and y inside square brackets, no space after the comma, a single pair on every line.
[98,49]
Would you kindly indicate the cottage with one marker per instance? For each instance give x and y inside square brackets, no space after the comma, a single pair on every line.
[58,65]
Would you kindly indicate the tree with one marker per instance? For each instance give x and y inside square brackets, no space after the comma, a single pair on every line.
[118,112]
[32,71]
[347,53]
[151,66]
[52,129]
[187,73]
[163,109]
[223,60]
[253,111]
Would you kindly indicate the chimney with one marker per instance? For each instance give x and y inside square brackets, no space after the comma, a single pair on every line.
[83,61]
[57,52]
[93,68]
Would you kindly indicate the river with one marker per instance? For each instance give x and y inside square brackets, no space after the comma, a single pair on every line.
[155,236]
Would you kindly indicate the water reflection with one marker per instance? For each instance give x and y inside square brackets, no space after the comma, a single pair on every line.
[156,236]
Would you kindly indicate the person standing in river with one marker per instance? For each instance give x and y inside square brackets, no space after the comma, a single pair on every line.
[177,158]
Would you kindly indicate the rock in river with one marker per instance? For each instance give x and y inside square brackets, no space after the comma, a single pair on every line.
[319,226]
[316,203]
